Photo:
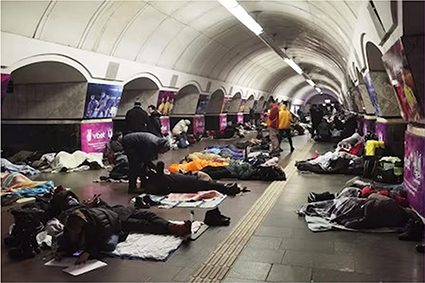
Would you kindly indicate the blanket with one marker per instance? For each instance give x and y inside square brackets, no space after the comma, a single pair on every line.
[7,166]
[147,246]
[203,199]
[194,166]
[70,162]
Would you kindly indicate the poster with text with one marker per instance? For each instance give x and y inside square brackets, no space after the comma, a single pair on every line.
[198,124]
[372,93]
[95,136]
[165,125]
[222,121]
[203,100]
[102,101]
[166,101]
[381,131]
[414,168]
[401,78]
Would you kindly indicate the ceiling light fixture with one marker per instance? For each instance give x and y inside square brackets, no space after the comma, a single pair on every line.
[310,82]
[293,65]
[318,89]
[236,10]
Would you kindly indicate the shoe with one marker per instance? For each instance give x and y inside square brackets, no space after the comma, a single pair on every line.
[420,248]
[147,200]
[215,218]
[414,231]
[232,189]
[139,203]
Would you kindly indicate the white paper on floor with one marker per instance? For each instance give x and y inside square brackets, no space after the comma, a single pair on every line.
[148,246]
[79,269]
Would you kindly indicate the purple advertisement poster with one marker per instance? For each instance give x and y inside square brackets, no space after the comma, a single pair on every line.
[381,131]
[5,79]
[222,121]
[95,135]
[102,100]
[166,102]
[239,118]
[372,93]
[198,124]
[414,168]
[242,105]
[401,78]
[360,125]
[165,125]
[201,108]
[368,126]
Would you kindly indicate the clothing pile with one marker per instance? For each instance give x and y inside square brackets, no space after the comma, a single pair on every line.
[360,206]
[7,166]
[15,186]
[228,151]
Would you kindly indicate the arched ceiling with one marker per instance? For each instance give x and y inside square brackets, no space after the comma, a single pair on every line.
[190,36]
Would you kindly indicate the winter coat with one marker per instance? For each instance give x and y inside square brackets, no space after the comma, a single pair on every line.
[273,118]
[137,120]
[284,118]
[181,127]
[145,145]
[154,124]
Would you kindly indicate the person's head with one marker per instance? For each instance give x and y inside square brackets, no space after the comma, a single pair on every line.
[187,122]
[92,97]
[74,225]
[137,104]
[151,109]
[163,146]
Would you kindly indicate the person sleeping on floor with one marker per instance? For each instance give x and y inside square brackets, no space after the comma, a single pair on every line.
[90,231]
[159,183]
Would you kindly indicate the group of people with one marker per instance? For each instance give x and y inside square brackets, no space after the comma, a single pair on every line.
[279,125]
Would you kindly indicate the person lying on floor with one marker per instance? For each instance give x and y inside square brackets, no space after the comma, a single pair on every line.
[159,183]
[92,230]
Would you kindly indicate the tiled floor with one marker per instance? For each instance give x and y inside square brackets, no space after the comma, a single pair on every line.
[283,249]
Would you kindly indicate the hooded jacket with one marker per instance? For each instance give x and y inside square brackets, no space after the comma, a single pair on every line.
[284,118]
[181,127]
[273,118]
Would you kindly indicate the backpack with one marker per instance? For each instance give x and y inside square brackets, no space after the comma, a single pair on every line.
[389,170]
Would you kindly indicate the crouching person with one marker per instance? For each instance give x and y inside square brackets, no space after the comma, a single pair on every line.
[94,230]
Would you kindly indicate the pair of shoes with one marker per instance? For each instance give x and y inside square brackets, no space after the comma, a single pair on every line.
[414,231]
[420,248]
[140,203]
[215,218]
[232,189]
[313,197]
[180,230]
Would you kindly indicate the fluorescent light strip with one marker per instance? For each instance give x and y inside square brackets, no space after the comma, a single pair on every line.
[236,10]
[293,65]
[310,82]
[318,89]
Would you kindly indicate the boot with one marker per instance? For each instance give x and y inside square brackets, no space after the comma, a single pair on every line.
[420,248]
[215,218]
[414,231]
[140,203]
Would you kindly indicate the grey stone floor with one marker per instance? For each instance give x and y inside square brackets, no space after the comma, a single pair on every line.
[283,249]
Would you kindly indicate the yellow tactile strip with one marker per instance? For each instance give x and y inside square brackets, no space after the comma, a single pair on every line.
[223,257]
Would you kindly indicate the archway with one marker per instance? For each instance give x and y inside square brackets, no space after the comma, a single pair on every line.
[235,103]
[141,89]
[186,100]
[249,104]
[381,92]
[46,90]
[216,102]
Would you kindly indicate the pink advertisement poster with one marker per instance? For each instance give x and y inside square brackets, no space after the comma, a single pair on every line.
[222,121]
[198,124]
[95,135]
[165,125]
[239,118]
[401,78]
[5,79]
[414,168]
[166,102]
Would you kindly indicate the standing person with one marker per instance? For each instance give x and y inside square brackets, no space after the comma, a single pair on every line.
[141,149]
[285,125]
[273,125]
[137,119]
[316,116]
[92,106]
[252,116]
[154,124]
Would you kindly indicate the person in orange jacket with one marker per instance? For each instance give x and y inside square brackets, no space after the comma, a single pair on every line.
[285,118]
[273,125]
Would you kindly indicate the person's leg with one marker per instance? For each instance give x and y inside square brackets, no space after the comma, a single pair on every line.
[274,138]
[134,165]
[281,133]
[288,135]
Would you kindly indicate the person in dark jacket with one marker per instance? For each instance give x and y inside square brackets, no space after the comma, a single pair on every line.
[141,149]
[92,230]
[154,124]
[316,117]
[137,119]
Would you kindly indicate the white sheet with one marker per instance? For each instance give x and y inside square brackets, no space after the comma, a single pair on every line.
[147,246]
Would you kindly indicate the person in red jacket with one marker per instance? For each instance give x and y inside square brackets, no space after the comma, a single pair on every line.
[273,125]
